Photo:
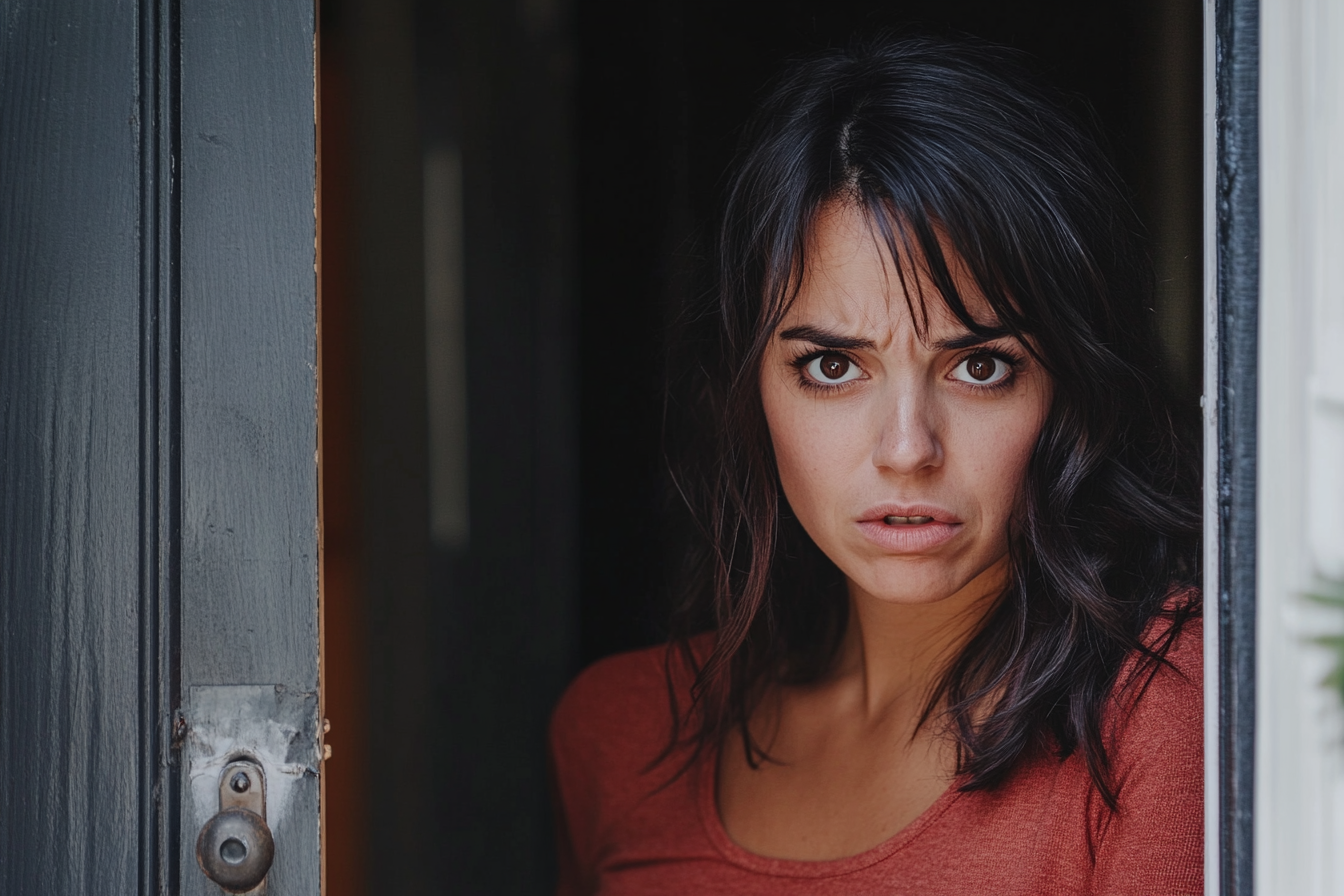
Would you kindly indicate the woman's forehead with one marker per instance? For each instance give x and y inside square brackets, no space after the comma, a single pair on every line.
[851,281]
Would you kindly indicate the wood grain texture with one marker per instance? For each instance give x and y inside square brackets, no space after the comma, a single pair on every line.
[1237,61]
[249,375]
[69,457]
[124,410]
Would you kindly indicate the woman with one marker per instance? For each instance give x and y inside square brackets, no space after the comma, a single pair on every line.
[950,541]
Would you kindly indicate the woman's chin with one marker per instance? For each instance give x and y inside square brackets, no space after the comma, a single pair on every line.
[909,590]
[915,581]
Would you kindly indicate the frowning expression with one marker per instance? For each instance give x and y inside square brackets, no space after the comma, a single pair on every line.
[901,453]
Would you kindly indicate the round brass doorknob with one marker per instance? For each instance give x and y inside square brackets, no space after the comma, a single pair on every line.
[235,849]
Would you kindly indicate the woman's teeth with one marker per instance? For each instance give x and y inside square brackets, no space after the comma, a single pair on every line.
[906,520]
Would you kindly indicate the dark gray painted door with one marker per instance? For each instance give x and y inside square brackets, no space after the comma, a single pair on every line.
[158,437]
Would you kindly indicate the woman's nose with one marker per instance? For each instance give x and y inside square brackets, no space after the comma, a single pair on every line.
[908,435]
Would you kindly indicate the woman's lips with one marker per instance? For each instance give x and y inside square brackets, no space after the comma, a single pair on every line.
[908,529]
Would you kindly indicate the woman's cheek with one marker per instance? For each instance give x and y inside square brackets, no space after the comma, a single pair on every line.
[800,470]
[803,449]
[1018,435]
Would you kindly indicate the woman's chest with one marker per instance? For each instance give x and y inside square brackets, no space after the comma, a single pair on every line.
[1031,843]
[833,795]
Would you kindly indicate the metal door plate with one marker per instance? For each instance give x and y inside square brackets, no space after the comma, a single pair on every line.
[269,724]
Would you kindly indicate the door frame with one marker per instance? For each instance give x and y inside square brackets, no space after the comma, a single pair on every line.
[1231,305]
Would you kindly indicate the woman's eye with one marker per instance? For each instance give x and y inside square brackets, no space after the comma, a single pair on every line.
[832,369]
[981,370]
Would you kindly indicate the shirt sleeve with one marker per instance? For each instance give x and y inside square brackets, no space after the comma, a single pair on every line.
[570,796]
[609,724]
[1153,844]
[569,882]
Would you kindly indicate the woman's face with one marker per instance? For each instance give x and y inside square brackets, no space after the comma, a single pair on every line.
[903,457]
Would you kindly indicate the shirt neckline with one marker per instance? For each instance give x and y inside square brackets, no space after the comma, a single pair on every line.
[708,804]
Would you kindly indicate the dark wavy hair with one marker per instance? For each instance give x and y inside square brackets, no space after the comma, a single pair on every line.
[957,144]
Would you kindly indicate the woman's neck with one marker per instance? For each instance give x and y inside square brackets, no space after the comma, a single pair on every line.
[894,653]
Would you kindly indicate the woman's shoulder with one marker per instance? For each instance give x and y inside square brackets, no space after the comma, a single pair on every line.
[614,692]
[1168,686]
[618,711]
[1154,842]
[1158,699]
[608,732]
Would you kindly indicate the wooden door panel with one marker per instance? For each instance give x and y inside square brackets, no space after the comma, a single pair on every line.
[71,609]
[249,335]
[248,410]
[158,433]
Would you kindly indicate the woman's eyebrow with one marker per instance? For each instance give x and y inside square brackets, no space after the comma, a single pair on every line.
[969,340]
[825,338]
[828,339]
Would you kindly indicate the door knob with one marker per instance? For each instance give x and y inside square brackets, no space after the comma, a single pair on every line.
[235,848]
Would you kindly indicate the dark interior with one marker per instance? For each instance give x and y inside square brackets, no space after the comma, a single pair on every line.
[513,196]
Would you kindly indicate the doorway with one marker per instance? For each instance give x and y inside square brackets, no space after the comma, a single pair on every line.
[513,197]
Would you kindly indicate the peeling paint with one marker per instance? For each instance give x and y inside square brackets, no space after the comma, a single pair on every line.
[270,724]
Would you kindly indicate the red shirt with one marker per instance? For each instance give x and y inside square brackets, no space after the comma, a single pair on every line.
[1044,830]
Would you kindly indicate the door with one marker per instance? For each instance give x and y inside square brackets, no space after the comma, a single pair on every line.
[158,441]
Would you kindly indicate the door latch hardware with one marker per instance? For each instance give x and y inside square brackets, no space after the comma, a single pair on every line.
[235,848]
[270,734]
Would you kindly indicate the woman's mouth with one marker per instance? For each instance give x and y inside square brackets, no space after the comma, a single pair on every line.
[897,529]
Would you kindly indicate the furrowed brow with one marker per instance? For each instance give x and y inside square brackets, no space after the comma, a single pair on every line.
[969,340]
[825,338]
